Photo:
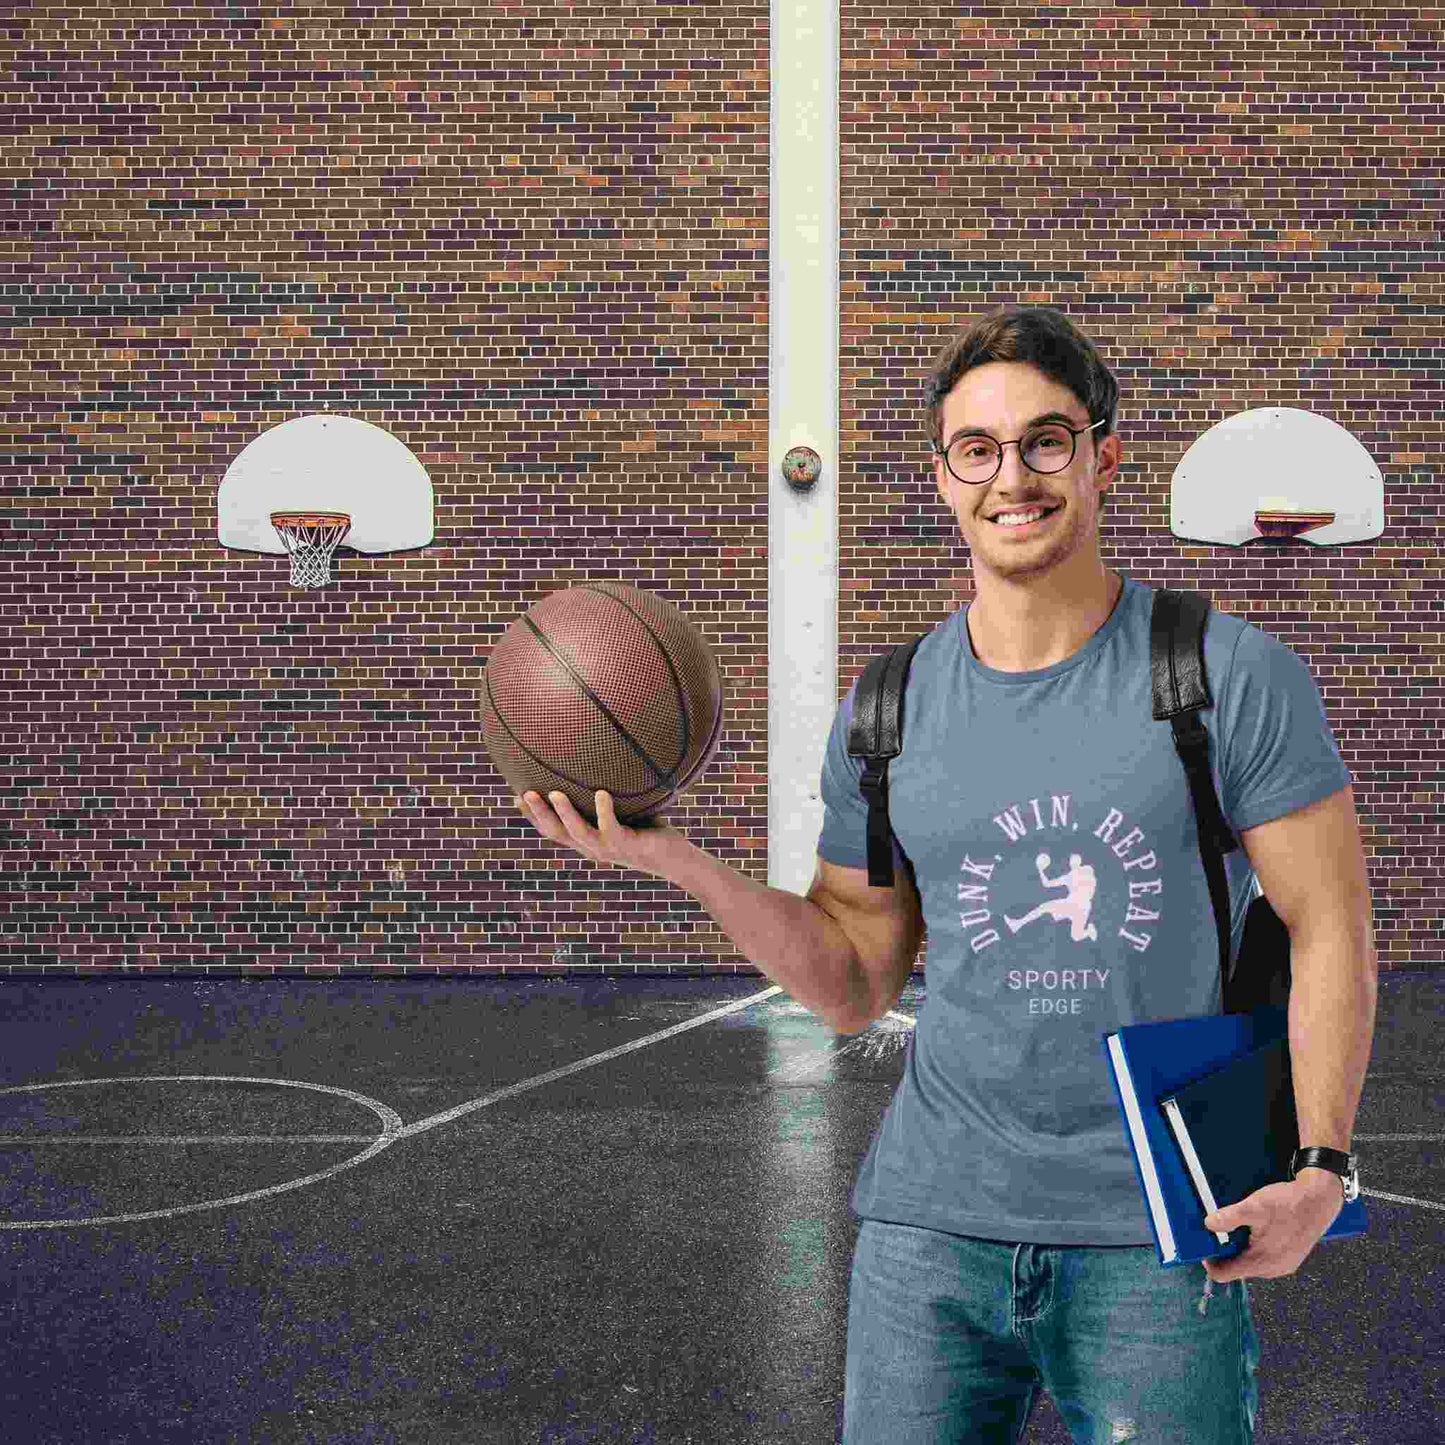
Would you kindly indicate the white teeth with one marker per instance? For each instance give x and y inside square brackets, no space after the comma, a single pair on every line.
[1016,519]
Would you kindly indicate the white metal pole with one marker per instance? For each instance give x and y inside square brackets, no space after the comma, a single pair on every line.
[802,412]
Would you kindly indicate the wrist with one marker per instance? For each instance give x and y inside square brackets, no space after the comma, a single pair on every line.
[1313,1176]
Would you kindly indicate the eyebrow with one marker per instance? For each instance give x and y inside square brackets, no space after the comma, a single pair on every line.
[978,431]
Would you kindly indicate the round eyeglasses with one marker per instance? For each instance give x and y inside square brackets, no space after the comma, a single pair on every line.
[1046,448]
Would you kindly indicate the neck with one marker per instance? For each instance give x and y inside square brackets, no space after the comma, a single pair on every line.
[1022,624]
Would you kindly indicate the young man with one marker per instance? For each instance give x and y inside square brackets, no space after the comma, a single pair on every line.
[1044,835]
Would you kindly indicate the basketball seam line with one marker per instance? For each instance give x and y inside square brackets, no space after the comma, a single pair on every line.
[527,752]
[665,776]
[684,722]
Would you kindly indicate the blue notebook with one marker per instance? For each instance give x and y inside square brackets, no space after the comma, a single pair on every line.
[1208,1109]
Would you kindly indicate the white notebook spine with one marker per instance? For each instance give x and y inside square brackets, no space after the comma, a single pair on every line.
[1191,1160]
[1168,1249]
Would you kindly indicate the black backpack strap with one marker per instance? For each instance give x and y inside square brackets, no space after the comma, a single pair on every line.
[875,734]
[1181,689]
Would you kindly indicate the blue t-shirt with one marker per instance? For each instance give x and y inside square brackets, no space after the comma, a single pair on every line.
[1050,826]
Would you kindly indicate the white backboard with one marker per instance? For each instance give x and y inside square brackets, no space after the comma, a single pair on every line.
[324,462]
[1276,458]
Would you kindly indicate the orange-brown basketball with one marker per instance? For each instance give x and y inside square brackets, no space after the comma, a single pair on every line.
[603,686]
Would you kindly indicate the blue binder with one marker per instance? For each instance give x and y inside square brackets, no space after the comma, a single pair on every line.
[1231,1128]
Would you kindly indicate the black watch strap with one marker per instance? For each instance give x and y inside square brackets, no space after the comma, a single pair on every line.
[1335,1160]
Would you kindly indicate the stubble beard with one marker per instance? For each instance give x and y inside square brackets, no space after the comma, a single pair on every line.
[1069,534]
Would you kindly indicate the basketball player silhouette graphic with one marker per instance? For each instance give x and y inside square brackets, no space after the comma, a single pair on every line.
[1081,883]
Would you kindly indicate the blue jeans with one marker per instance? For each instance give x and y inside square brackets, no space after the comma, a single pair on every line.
[951,1338]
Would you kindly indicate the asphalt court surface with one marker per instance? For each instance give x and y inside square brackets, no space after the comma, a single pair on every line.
[549,1210]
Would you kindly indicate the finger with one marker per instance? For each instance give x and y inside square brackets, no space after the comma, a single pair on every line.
[559,822]
[540,816]
[606,813]
[572,820]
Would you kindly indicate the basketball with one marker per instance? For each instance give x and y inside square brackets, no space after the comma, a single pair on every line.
[602,686]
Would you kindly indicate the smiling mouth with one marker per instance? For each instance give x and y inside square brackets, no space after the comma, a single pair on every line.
[1043,514]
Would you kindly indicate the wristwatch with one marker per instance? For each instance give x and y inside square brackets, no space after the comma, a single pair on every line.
[1345,1165]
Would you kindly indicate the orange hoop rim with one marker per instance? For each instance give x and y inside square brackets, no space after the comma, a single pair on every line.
[310,519]
[1318,518]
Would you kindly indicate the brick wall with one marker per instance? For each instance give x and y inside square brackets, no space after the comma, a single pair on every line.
[532,242]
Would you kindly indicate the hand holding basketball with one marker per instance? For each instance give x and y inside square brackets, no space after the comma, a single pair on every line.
[656,849]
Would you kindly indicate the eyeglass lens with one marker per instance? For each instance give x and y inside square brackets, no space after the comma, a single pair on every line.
[1045,449]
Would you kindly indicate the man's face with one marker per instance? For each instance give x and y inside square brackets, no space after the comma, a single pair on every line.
[1004,397]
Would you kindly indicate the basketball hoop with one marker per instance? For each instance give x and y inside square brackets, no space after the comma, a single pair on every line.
[1282,526]
[311,538]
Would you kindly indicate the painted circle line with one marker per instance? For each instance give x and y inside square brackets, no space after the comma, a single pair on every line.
[391,1130]
[392,1127]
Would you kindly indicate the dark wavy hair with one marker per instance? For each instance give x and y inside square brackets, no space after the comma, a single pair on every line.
[1040,335]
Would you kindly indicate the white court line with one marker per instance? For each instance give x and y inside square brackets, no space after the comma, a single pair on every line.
[393,1129]
[447,1115]
[1398,1139]
[51,1138]
[390,1130]
[1402,1199]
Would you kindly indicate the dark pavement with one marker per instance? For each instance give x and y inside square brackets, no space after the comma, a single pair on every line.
[652,1246]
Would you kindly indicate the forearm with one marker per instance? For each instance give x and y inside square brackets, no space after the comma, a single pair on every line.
[1331,1029]
[790,938]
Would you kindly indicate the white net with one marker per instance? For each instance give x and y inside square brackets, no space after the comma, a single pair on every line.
[311,538]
